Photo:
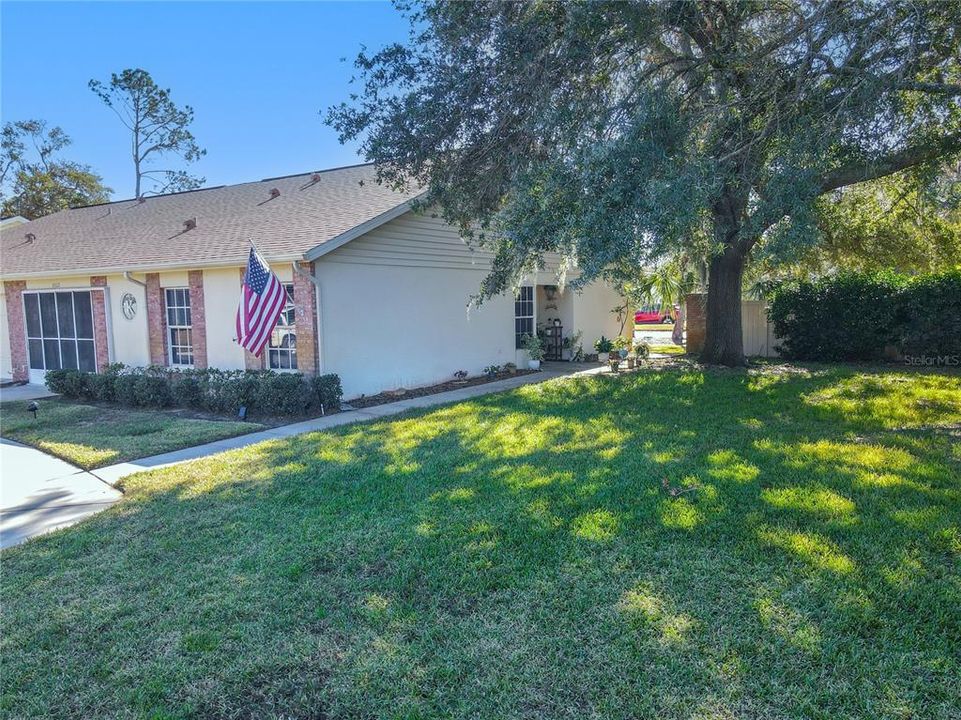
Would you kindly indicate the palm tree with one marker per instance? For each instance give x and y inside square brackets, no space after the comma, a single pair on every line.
[668,284]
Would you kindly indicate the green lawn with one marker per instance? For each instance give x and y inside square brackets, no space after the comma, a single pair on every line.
[91,436]
[669,349]
[520,556]
[654,327]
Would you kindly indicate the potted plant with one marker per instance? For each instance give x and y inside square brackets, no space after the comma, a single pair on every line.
[460,377]
[535,350]
[603,346]
[573,351]
[511,368]
[491,371]
[641,350]
[621,345]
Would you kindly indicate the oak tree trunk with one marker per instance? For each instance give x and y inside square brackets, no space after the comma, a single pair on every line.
[723,343]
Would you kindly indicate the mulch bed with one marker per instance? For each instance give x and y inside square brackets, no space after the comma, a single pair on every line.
[394,395]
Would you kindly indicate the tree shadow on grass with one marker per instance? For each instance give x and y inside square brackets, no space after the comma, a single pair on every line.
[518,556]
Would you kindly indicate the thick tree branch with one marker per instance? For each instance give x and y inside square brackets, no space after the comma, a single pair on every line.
[895,162]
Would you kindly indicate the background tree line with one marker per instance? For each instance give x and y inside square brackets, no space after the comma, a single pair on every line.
[36,180]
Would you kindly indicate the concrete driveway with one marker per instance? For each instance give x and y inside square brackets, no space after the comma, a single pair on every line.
[40,493]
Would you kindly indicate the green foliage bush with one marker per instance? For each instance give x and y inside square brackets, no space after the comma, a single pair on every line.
[101,386]
[125,389]
[262,392]
[327,389]
[283,394]
[932,306]
[857,316]
[69,383]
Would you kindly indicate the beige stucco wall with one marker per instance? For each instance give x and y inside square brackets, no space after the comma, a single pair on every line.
[60,283]
[593,316]
[222,291]
[176,279]
[128,337]
[387,326]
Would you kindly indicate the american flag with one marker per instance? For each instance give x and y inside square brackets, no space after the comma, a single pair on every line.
[263,300]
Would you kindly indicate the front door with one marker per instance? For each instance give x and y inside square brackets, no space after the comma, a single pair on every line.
[59,332]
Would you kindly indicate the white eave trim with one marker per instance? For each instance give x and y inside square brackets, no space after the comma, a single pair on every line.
[358,230]
[137,268]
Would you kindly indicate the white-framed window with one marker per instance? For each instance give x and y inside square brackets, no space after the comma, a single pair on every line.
[180,347]
[282,346]
[60,330]
[523,314]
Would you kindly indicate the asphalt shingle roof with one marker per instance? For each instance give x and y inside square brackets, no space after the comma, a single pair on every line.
[135,236]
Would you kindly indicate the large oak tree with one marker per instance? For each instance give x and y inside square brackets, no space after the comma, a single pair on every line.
[619,132]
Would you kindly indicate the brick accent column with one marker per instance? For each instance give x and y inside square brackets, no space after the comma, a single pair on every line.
[251,361]
[305,315]
[17,329]
[198,319]
[98,303]
[156,320]
[696,305]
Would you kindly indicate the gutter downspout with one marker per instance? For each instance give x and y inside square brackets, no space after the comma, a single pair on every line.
[130,278]
[318,302]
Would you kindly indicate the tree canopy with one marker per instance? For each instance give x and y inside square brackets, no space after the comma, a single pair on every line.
[158,128]
[908,222]
[619,132]
[34,181]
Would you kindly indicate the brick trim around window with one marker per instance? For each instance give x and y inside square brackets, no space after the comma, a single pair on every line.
[98,303]
[305,313]
[156,320]
[16,329]
[195,282]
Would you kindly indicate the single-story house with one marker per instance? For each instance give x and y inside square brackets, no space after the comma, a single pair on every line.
[378,294]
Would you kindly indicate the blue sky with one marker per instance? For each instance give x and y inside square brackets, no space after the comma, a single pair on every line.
[256,74]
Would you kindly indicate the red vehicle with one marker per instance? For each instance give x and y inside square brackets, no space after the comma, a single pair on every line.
[646,317]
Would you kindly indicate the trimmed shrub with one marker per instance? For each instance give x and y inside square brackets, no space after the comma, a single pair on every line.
[188,388]
[327,390]
[932,308]
[153,390]
[857,316]
[283,394]
[125,389]
[100,386]
[69,383]
[262,392]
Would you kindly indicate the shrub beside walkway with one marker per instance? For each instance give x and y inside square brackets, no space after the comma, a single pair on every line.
[112,474]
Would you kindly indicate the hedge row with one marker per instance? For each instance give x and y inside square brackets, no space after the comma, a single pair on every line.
[859,316]
[262,392]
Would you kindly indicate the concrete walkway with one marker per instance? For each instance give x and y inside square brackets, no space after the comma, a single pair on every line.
[24,392]
[40,493]
[112,474]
